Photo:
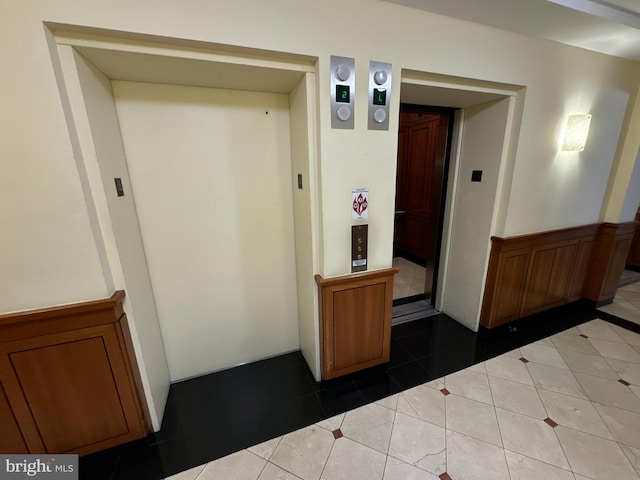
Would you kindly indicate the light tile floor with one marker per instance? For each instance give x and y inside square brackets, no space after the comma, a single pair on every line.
[564,408]
[409,280]
[626,303]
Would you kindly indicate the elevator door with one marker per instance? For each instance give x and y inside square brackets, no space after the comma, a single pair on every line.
[211,177]
[422,146]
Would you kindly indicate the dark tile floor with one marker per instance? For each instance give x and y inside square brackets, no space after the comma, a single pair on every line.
[214,415]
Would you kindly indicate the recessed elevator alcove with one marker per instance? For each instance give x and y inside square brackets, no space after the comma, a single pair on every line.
[213,241]
[485,135]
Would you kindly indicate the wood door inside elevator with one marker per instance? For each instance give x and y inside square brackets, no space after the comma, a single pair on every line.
[422,159]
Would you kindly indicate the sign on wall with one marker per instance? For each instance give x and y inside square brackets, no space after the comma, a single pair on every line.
[359,203]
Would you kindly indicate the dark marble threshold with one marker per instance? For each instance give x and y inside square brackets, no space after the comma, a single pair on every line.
[214,415]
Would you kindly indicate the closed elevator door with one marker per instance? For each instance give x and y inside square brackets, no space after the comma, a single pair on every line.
[211,177]
[422,153]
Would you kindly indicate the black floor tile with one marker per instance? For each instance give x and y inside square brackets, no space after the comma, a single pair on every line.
[399,354]
[409,375]
[445,363]
[171,424]
[339,395]
[621,322]
[376,383]
[100,465]
[289,416]
[214,415]
[220,382]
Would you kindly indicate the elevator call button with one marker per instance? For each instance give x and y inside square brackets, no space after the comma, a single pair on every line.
[379,91]
[343,91]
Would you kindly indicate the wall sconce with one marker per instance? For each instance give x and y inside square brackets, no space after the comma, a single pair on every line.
[576,131]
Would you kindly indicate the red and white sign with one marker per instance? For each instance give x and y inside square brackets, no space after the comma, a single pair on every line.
[359,203]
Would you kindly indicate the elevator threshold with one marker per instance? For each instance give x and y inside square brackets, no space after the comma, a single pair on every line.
[412,311]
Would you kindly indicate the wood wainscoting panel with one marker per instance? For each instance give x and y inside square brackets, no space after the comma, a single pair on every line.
[355,321]
[68,376]
[633,259]
[580,266]
[612,244]
[549,276]
[561,271]
[618,259]
[534,272]
[66,384]
[11,441]
[513,275]
[358,325]
[536,291]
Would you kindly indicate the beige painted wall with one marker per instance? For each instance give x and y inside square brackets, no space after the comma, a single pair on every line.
[211,176]
[52,249]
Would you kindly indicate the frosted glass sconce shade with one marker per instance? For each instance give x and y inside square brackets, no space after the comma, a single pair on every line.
[575,134]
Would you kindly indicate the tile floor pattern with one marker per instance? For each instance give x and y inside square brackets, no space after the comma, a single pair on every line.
[626,303]
[409,280]
[565,407]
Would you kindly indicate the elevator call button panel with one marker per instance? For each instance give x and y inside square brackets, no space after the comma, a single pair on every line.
[343,82]
[379,95]
[359,239]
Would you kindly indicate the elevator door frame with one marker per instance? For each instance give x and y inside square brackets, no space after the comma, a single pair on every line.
[436,215]
[275,72]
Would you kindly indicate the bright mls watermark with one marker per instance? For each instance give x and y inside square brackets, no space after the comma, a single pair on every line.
[50,467]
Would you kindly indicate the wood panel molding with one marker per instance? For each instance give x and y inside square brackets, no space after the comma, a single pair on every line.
[355,321]
[607,264]
[68,380]
[535,272]
[633,259]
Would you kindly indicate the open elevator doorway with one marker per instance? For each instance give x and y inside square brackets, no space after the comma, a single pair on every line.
[424,146]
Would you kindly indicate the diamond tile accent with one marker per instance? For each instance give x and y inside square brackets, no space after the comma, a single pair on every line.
[303,452]
[516,397]
[470,384]
[370,425]
[419,443]
[337,434]
[544,354]
[624,382]
[424,403]
[509,369]
[474,419]
[583,335]
[573,412]
[530,437]
[445,476]
[445,391]
[550,422]
[469,458]
[523,360]
[609,392]
[350,460]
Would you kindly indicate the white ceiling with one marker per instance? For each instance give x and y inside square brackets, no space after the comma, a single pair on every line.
[607,26]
